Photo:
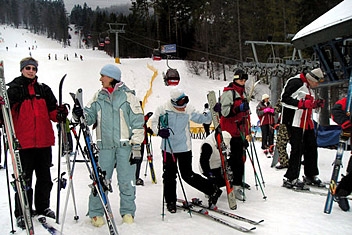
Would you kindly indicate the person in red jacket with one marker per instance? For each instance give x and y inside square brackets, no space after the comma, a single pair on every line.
[265,112]
[344,188]
[235,119]
[33,107]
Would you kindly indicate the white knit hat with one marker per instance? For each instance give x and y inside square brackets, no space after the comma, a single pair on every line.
[316,75]
[265,96]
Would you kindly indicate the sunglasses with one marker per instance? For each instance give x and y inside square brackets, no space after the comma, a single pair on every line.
[30,68]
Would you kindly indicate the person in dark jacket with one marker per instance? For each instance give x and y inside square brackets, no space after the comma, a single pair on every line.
[344,188]
[235,119]
[33,107]
[265,114]
[298,102]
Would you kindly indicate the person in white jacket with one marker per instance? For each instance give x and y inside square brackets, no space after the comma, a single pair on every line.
[210,161]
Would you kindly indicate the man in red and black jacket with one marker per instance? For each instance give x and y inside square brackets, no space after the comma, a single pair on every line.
[338,114]
[298,103]
[33,107]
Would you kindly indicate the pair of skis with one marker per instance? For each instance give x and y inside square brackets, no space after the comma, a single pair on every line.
[197,207]
[228,174]
[100,184]
[150,161]
[14,146]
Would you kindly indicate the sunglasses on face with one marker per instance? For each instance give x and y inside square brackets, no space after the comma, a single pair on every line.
[30,68]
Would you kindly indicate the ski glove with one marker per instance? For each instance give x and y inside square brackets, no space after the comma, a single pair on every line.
[136,155]
[164,133]
[306,104]
[62,113]
[268,110]
[77,112]
[150,131]
[217,107]
[244,106]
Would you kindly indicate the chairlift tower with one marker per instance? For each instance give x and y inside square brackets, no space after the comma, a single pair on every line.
[117,28]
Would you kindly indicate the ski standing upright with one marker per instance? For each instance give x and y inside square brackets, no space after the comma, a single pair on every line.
[61,183]
[228,175]
[14,146]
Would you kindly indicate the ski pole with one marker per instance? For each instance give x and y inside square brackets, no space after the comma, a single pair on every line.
[7,179]
[256,176]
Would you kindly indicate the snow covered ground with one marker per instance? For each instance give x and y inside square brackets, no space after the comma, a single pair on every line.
[284,211]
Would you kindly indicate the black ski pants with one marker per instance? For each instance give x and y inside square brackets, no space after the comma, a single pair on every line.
[267,135]
[302,143]
[184,160]
[237,160]
[36,160]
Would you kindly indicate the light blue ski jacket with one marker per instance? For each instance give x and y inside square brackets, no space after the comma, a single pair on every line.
[179,124]
[119,117]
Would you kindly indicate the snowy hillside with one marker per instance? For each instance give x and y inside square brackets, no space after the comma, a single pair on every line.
[284,211]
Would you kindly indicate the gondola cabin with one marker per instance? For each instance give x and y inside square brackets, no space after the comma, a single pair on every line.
[156,54]
[107,40]
[172,77]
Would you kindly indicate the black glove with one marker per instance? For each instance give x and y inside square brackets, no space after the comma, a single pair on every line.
[243,107]
[136,155]
[150,131]
[77,112]
[245,144]
[210,176]
[217,107]
[164,133]
[62,113]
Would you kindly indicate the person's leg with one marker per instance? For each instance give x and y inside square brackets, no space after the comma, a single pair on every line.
[44,183]
[126,181]
[106,161]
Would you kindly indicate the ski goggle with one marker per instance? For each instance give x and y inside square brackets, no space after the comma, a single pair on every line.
[243,76]
[181,101]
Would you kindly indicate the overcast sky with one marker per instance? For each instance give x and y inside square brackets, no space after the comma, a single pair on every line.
[93,3]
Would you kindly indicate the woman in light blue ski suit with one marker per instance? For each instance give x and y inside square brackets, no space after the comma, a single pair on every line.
[119,118]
